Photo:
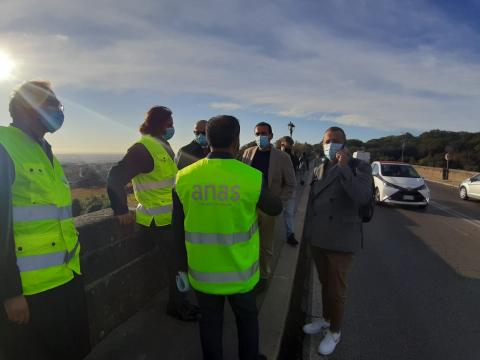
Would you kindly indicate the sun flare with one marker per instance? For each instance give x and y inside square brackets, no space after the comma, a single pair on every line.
[6,66]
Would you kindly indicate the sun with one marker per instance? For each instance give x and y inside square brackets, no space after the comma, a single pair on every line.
[6,66]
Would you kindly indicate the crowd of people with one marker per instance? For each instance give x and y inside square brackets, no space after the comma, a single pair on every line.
[212,216]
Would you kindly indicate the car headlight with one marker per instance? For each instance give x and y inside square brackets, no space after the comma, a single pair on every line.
[423,187]
[387,184]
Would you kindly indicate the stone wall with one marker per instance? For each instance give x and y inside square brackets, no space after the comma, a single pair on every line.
[121,270]
[433,173]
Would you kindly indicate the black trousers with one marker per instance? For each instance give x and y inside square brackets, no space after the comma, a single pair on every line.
[211,324]
[58,327]
[162,237]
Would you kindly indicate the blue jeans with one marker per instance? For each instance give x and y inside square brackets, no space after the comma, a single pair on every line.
[289,215]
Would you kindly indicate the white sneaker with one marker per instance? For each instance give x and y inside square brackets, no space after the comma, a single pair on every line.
[329,342]
[316,326]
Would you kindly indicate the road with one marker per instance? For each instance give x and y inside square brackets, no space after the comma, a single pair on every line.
[415,289]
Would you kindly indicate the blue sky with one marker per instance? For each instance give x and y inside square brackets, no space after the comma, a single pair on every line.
[373,67]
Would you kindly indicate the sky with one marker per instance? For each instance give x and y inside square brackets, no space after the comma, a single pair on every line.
[375,68]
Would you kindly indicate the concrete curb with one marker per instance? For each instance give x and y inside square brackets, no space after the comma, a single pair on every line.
[275,308]
[443,183]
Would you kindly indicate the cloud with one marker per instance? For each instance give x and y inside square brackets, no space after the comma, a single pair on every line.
[225,106]
[261,57]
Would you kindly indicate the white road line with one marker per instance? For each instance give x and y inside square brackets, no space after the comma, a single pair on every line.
[456,213]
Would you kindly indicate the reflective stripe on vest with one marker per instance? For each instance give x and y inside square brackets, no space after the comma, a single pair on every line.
[224,277]
[41,212]
[37,262]
[154,185]
[221,239]
[156,210]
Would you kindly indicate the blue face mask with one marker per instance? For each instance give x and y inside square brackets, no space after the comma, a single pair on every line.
[262,141]
[169,132]
[52,119]
[201,139]
[330,150]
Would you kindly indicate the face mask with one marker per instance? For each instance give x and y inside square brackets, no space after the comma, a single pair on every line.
[169,132]
[262,141]
[52,119]
[330,150]
[201,139]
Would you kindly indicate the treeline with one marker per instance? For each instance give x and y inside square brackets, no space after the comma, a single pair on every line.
[427,149]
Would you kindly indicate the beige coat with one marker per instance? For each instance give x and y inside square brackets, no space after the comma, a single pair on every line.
[281,175]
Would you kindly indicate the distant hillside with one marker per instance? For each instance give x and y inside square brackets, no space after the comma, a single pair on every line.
[427,149]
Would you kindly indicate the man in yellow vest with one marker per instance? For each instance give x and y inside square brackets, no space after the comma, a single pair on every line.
[44,312]
[215,216]
[149,165]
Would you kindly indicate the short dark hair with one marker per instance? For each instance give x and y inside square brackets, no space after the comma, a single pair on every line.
[222,131]
[288,140]
[265,124]
[29,96]
[155,116]
[335,129]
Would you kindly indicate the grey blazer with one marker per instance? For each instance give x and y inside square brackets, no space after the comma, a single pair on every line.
[332,221]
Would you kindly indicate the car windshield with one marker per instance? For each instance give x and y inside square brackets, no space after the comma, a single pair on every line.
[397,170]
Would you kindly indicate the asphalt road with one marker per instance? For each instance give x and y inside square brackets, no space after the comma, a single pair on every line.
[415,289]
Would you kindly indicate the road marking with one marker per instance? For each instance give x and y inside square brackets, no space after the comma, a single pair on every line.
[456,213]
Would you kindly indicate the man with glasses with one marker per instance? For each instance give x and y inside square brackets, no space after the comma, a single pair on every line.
[44,314]
[196,150]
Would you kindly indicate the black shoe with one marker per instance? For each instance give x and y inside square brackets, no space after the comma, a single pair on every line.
[292,241]
[185,312]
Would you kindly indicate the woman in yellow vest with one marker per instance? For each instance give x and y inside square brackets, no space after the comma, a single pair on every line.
[215,216]
[149,165]
[44,314]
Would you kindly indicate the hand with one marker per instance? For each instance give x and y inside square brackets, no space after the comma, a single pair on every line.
[342,158]
[126,219]
[17,310]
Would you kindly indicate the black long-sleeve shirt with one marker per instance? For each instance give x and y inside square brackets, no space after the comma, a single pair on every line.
[267,203]
[10,282]
[137,161]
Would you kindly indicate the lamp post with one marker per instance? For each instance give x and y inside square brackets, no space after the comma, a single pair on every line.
[291,127]
[403,145]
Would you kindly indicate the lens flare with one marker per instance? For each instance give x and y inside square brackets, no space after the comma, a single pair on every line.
[6,66]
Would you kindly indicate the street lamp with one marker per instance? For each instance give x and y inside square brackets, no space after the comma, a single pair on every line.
[403,144]
[291,127]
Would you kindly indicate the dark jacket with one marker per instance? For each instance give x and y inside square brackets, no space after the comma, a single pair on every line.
[137,161]
[190,154]
[333,221]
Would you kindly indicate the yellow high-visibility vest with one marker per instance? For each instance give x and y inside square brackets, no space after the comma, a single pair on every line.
[46,241]
[219,198]
[153,191]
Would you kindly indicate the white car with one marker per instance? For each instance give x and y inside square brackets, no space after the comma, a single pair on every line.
[470,188]
[399,183]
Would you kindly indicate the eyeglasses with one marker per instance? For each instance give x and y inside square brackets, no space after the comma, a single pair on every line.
[54,106]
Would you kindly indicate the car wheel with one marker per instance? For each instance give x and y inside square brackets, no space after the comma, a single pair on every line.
[463,193]
[377,197]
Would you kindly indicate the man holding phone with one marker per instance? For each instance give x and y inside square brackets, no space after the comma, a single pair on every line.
[334,229]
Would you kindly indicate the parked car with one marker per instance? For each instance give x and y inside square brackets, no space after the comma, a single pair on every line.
[399,183]
[470,188]
[362,155]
